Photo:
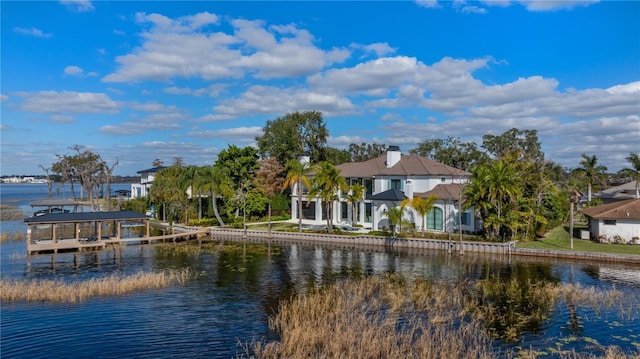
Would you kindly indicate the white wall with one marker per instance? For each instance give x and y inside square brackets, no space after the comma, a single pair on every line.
[626,229]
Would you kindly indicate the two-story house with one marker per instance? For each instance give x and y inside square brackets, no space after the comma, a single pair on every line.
[146,180]
[389,179]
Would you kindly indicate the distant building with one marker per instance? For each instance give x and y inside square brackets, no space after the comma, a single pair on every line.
[146,180]
[625,191]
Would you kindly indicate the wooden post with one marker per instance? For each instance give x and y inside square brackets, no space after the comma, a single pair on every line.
[571,225]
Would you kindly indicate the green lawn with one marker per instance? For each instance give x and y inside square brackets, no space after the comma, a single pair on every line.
[558,239]
[275,226]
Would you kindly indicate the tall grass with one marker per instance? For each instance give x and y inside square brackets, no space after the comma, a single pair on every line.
[12,289]
[395,318]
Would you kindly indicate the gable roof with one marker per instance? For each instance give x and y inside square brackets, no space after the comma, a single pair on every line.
[389,195]
[444,192]
[628,209]
[623,191]
[409,165]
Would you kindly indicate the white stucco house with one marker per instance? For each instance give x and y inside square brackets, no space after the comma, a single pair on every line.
[389,179]
[616,221]
[146,180]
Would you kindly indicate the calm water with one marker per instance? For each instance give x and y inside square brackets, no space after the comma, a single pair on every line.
[229,303]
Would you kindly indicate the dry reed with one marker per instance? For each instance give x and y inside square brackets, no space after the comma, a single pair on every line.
[72,292]
[392,318]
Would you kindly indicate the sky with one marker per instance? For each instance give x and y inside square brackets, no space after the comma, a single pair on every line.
[136,81]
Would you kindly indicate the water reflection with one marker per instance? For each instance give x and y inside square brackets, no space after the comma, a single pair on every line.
[239,285]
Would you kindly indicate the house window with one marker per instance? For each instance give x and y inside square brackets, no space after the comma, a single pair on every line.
[344,215]
[434,219]
[443,180]
[610,222]
[309,211]
[368,183]
[368,212]
[396,184]
[466,218]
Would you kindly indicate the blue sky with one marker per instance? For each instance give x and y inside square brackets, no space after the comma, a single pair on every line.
[143,80]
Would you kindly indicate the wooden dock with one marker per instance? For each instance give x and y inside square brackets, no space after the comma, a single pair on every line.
[66,232]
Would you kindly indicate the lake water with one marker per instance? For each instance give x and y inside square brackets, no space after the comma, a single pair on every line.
[235,292]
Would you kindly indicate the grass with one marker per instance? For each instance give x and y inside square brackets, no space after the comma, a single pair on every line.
[13,290]
[558,239]
[394,317]
[275,226]
[11,213]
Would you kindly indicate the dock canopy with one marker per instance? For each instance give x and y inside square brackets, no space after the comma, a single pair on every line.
[86,217]
[80,230]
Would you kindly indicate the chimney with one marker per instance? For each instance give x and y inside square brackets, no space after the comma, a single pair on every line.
[305,158]
[393,156]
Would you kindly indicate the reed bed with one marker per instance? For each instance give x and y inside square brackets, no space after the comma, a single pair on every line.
[11,213]
[394,318]
[71,292]
[11,237]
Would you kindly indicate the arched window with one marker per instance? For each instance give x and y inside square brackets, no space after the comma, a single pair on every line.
[434,219]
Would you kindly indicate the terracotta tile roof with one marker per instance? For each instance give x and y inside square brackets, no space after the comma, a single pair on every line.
[628,209]
[444,192]
[409,165]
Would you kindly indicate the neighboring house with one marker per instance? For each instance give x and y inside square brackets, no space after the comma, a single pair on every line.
[389,179]
[615,222]
[146,180]
[619,193]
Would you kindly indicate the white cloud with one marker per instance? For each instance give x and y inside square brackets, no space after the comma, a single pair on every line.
[272,100]
[73,71]
[4,98]
[62,119]
[78,5]
[375,77]
[32,32]
[181,48]
[546,5]
[68,102]
[431,4]
[380,49]
[243,134]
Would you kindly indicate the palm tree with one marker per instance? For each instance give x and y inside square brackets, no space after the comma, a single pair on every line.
[493,189]
[394,215]
[187,180]
[591,171]
[422,206]
[327,183]
[356,194]
[296,177]
[215,181]
[634,171]
[503,189]
[269,180]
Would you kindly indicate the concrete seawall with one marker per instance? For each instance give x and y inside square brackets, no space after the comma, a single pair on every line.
[455,246]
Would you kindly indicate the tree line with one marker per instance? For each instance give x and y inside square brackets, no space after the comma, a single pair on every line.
[515,190]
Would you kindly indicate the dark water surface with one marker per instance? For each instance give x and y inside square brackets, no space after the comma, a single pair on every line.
[229,302]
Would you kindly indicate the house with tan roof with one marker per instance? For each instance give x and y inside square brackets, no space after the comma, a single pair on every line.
[389,179]
[615,222]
